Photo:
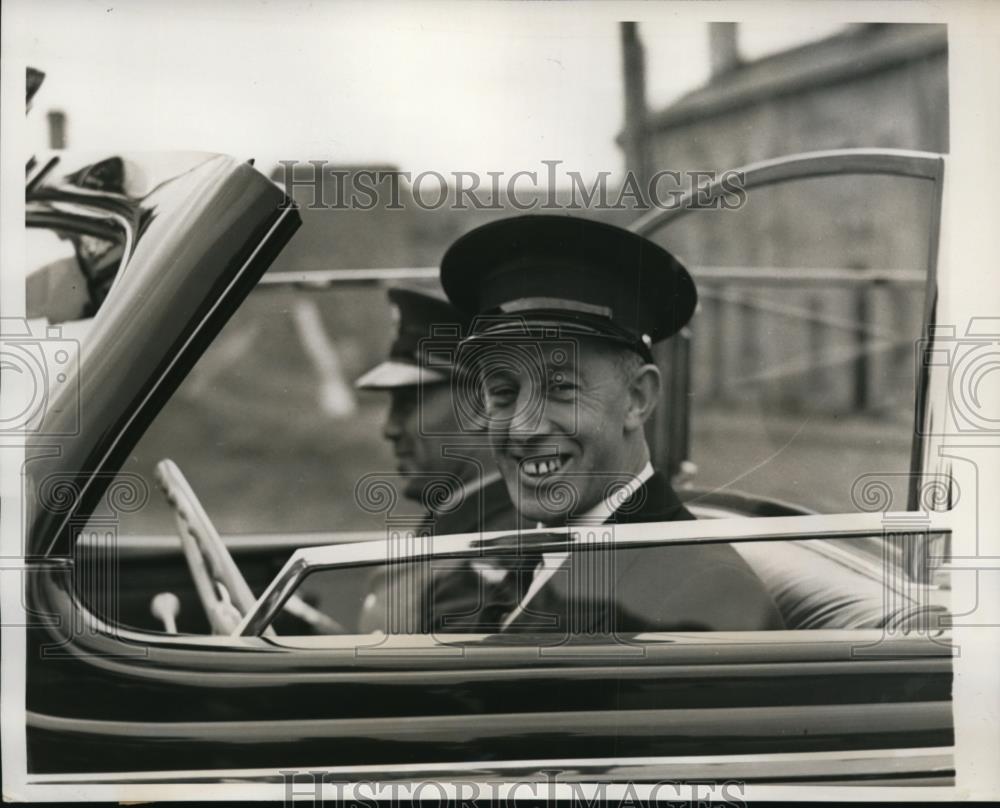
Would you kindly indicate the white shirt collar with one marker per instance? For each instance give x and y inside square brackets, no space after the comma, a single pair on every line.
[599,514]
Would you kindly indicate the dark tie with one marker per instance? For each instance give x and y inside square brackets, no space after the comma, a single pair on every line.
[502,597]
[465,601]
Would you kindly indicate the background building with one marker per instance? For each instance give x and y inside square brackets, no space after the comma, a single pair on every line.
[786,369]
[868,86]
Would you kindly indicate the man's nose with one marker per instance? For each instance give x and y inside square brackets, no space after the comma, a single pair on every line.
[392,430]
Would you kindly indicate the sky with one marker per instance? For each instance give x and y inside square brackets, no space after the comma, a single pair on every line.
[420,86]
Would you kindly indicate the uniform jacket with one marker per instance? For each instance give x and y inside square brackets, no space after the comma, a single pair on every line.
[706,587]
[400,598]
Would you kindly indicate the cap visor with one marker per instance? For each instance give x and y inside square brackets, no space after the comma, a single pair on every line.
[391,374]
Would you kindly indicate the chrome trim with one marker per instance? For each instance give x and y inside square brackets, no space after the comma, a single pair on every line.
[321,278]
[37,172]
[922,404]
[80,209]
[170,543]
[574,538]
[327,277]
[808,165]
[915,761]
[937,643]
[868,565]
[807,276]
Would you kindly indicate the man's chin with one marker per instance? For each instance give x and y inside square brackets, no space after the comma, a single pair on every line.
[548,504]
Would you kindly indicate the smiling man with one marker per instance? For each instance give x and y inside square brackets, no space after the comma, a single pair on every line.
[567,311]
[569,426]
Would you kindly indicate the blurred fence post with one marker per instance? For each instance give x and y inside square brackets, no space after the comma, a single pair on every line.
[862,317]
[716,310]
[817,382]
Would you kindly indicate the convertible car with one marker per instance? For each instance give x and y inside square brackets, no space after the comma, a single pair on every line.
[212,656]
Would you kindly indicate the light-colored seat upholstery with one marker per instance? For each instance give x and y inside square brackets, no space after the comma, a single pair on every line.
[816,584]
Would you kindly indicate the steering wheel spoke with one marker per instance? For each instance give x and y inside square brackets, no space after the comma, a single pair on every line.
[223,591]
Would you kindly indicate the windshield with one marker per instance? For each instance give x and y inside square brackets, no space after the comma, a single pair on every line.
[803,351]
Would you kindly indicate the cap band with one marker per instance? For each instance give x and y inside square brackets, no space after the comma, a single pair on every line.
[535,303]
[549,325]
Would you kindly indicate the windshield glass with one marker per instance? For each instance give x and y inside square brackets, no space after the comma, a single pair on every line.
[803,350]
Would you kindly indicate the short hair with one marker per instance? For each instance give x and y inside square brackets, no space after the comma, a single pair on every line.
[625,359]
[629,362]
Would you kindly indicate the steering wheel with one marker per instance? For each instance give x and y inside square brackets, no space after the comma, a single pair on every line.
[222,589]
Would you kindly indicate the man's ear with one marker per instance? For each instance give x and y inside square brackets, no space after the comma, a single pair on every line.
[643,395]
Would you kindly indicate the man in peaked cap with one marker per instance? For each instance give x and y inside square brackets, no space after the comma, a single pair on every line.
[566,313]
[432,445]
